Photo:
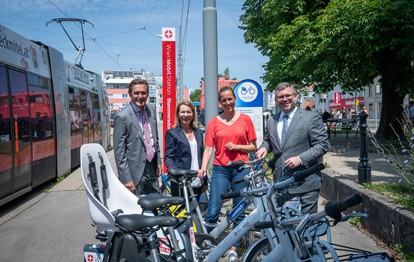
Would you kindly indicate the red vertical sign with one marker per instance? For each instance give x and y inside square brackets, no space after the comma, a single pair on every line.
[168,80]
[337,98]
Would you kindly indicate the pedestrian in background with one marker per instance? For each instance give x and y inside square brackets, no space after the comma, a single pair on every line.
[298,140]
[233,136]
[364,109]
[184,147]
[136,149]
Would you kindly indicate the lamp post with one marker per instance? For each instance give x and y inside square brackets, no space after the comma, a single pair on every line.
[377,92]
[364,168]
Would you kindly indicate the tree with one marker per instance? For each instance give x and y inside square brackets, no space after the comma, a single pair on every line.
[226,74]
[196,95]
[345,42]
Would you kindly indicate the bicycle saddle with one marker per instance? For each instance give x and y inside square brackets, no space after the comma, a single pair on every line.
[136,222]
[178,173]
[154,201]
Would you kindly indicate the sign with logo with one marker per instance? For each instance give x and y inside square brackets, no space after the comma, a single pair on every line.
[249,100]
[169,87]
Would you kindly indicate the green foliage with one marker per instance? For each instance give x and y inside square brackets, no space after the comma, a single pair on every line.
[399,255]
[355,221]
[196,95]
[337,42]
[400,153]
[402,194]
[329,42]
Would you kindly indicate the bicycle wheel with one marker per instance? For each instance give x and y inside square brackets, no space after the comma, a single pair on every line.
[258,251]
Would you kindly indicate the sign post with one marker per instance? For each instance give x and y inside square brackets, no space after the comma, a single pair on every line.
[169,82]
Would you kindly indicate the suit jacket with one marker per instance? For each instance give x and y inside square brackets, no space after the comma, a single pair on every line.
[129,143]
[177,148]
[307,138]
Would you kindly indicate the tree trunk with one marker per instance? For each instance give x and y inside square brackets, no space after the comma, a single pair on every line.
[391,114]
[393,76]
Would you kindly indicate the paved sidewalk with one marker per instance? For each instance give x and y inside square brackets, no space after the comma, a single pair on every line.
[55,224]
[343,160]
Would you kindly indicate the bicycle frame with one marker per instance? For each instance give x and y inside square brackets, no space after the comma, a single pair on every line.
[259,214]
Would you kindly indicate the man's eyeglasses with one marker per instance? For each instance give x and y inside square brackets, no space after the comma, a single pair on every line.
[285,96]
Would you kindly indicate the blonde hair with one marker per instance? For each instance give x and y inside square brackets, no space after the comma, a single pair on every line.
[177,111]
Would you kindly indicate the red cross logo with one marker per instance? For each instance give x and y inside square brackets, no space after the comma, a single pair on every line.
[168,34]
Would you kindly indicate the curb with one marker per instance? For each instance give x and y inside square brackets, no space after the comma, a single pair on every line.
[390,222]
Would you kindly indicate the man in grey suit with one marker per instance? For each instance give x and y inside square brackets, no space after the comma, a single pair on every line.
[298,140]
[137,153]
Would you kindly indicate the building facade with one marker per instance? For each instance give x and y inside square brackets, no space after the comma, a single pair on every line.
[117,83]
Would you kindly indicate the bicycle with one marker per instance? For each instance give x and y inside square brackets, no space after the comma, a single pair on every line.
[203,244]
[298,238]
[260,213]
[110,203]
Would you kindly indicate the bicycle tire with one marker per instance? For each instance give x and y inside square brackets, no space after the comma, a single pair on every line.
[260,249]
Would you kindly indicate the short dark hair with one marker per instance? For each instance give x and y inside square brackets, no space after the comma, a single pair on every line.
[137,82]
[283,86]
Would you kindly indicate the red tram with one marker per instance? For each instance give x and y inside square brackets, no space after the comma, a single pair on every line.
[48,109]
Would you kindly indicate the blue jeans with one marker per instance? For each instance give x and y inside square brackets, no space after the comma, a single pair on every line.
[221,180]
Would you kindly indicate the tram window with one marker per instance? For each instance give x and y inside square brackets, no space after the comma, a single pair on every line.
[41,108]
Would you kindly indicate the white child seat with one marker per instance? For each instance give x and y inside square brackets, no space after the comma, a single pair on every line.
[118,197]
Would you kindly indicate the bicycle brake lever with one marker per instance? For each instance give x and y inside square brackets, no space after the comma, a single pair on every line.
[353,214]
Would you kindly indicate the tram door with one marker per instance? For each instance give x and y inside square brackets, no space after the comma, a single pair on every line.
[85,102]
[76,125]
[6,146]
[20,126]
[42,129]
[96,119]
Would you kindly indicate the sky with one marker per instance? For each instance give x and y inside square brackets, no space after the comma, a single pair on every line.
[124,35]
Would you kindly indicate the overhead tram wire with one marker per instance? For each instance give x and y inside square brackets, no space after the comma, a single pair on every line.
[185,31]
[93,39]
[180,51]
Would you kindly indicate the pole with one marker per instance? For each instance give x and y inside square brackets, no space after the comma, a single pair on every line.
[210,59]
[180,65]
[364,168]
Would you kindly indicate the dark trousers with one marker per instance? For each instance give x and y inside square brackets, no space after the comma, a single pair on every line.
[308,200]
[149,181]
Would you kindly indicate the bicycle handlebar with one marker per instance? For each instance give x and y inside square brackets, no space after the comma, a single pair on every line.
[241,163]
[264,224]
[302,174]
[334,209]
[236,163]
[297,176]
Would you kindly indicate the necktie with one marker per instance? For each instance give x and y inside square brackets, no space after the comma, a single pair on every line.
[284,128]
[147,135]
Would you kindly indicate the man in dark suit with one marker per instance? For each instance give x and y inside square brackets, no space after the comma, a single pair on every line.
[298,140]
[137,153]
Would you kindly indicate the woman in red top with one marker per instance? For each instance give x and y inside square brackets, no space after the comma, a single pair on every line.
[233,136]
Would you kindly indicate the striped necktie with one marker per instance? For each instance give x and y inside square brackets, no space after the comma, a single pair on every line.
[284,128]
[147,135]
